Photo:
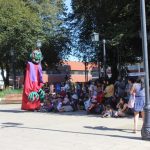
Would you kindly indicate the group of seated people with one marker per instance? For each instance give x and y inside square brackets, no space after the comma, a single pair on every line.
[113,108]
[99,98]
[112,99]
[63,101]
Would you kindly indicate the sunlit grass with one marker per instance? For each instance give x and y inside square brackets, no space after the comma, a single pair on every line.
[5,92]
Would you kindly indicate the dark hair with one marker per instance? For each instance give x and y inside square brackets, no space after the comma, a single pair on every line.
[131,79]
[141,81]
[123,99]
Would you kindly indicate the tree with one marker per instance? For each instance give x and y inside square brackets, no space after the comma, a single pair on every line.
[19,27]
[25,21]
[56,34]
[116,21]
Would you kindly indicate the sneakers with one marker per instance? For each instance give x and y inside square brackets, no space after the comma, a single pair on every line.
[106,115]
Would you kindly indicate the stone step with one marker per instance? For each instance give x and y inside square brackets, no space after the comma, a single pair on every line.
[10,102]
[11,99]
[13,95]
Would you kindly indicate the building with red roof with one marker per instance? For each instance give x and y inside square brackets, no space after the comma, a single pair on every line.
[75,71]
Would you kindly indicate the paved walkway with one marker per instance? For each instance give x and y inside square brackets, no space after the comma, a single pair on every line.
[21,130]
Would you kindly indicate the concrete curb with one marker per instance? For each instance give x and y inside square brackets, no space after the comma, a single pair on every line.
[7,101]
[1,99]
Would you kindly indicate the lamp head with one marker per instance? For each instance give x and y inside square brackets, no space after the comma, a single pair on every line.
[38,44]
[95,37]
[104,41]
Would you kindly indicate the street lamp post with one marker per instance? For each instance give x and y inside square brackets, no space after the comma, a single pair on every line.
[145,132]
[95,38]
[104,55]
[85,65]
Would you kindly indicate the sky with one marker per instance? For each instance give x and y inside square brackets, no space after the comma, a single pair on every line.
[68,4]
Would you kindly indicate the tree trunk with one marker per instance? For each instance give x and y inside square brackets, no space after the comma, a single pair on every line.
[114,71]
[5,78]
[85,72]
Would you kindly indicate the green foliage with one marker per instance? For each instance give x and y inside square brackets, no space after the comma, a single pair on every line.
[7,91]
[25,21]
[116,21]
[54,49]
[19,28]
[18,25]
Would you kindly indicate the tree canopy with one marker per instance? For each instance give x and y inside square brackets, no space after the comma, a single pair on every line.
[23,22]
[116,21]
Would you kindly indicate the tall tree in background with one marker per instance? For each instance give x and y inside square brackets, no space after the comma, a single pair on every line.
[19,27]
[56,35]
[116,21]
[25,21]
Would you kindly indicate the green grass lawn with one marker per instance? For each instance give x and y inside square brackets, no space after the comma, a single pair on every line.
[5,92]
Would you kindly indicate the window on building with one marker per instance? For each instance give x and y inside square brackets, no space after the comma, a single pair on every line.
[79,72]
[94,73]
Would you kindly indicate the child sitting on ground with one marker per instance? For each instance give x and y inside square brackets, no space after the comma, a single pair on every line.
[47,106]
[122,108]
[65,105]
[107,112]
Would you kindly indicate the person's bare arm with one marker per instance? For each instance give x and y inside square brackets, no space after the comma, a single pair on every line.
[124,107]
[132,91]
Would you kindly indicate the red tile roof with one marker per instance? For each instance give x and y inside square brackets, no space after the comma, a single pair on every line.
[74,65]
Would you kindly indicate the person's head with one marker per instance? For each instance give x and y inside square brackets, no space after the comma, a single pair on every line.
[109,81]
[94,97]
[62,89]
[130,80]
[121,100]
[75,96]
[54,95]
[99,84]
[139,80]
[66,96]
[48,102]
[119,78]
[105,82]
[108,107]
[87,96]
